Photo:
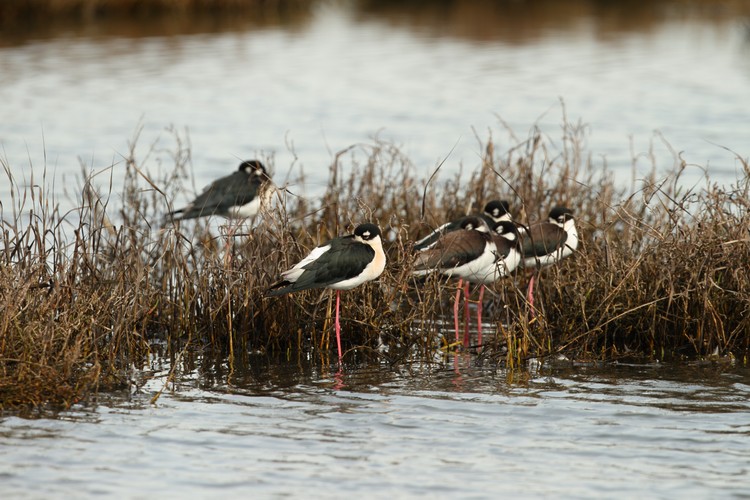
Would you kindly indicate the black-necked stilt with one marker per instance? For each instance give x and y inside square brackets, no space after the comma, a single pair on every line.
[471,253]
[340,264]
[463,252]
[508,258]
[507,242]
[239,195]
[546,243]
[494,211]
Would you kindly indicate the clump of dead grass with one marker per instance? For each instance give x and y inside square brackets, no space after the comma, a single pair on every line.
[90,296]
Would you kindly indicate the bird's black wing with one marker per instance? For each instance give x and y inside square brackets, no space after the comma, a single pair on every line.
[233,190]
[543,240]
[452,250]
[346,259]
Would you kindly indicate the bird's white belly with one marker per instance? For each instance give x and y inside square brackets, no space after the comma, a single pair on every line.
[498,269]
[252,208]
[480,270]
[245,211]
[509,264]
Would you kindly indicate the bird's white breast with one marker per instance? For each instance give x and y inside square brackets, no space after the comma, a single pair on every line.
[370,272]
[252,208]
[571,242]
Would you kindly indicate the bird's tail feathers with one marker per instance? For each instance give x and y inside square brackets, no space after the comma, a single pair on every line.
[279,288]
[174,216]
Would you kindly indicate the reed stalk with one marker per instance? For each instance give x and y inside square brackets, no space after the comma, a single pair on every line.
[90,297]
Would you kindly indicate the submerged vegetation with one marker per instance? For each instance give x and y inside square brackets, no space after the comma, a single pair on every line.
[91,296]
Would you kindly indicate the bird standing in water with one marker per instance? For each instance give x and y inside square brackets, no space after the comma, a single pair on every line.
[546,243]
[473,254]
[494,211]
[340,264]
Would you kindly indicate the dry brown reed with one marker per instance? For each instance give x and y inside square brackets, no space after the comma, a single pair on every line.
[89,297]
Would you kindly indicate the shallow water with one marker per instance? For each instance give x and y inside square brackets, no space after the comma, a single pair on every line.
[618,432]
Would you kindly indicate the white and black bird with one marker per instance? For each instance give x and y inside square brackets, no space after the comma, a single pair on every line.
[473,254]
[508,257]
[240,195]
[508,247]
[494,211]
[465,252]
[546,243]
[340,264]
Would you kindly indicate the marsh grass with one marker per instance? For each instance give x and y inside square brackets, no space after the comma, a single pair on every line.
[91,296]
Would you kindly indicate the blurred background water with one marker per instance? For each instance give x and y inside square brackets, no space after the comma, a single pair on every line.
[426,75]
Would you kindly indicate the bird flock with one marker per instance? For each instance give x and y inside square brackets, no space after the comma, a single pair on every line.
[479,248]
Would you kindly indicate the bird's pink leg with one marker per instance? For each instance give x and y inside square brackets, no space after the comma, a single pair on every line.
[479,315]
[228,245]
[338,379]
[455,307]
[466,314]
[338,325]
[530,293]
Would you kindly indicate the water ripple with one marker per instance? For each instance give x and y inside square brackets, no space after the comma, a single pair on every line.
[577,435]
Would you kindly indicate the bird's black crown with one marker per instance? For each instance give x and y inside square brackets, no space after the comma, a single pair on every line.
[253,166]
[561,214]
[496,208]
[472,222]
[367,231]
[506,228]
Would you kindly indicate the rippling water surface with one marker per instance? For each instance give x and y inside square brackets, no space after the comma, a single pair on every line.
[462,431]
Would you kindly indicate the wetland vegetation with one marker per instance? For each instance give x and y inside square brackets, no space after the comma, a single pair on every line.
[91,296]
